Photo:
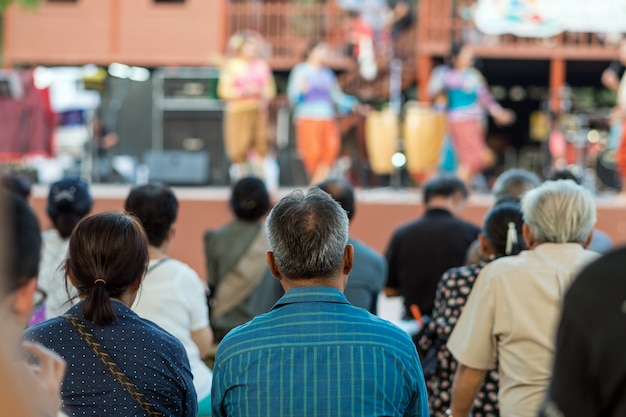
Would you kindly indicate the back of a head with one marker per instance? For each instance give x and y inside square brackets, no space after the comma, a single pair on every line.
[515,182]
[444,185]
[22,241]
[156,207]
[564,174]
[503,229]
[341,191]
[16,183]
[559,212]
[69,200]
[308,234]
[108,253]
[250,200]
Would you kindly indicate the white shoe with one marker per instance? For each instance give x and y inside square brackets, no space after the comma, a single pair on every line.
[235,172]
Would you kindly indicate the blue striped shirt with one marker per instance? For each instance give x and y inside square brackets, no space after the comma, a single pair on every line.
[314,355]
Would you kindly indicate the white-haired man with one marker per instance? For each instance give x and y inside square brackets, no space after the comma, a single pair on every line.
[513,310]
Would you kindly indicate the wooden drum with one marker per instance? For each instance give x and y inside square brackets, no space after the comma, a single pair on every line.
[423,131]
[381,138]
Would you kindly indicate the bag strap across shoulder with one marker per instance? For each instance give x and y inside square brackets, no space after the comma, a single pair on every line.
[112,367]
[156,264]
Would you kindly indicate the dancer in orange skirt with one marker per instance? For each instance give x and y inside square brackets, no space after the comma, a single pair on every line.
[315,94]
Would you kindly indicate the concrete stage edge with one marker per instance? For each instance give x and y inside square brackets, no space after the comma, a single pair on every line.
[378,213]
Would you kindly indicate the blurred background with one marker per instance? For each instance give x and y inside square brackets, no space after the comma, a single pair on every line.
[123,91]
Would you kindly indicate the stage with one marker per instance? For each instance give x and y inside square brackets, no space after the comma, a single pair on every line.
[379,211]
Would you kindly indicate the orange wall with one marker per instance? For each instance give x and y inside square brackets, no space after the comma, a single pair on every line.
[58,33]
[190,33]
[137,32]
[378,213]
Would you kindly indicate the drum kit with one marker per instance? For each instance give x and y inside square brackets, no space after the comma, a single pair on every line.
[589,149]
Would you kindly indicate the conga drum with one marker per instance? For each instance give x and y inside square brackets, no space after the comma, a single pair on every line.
[381,138]
[424,131]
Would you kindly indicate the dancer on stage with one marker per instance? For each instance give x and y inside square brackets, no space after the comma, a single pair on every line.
[468,98]
[316,97]
[247,85]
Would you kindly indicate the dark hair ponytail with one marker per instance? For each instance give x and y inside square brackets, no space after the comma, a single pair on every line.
[107,255]
[503,229]
[97,307]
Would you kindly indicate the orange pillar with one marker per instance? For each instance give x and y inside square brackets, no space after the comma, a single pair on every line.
[558,69]
[114,29]
[424,60]
[224,9]
[332,14]
[424,68]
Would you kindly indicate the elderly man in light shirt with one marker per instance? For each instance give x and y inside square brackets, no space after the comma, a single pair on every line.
[513,310]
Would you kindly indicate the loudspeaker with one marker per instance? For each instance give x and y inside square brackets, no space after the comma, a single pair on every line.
[178,167]
[187,116]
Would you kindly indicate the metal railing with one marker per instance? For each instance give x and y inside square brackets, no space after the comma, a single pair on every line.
[289,27]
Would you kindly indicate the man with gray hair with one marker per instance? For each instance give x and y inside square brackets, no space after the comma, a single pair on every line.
[513,310]
[315,354]
[509,187]
[514,183]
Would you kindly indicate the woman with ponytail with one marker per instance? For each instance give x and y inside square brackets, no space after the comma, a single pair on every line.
[501,236]
[118,363]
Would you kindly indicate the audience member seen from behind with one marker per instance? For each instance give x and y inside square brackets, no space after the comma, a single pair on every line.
[514,182]
[421,251]
[510,186]
[501,236]
[16,184]
[171,293]
[242,286]
[107,259]
[314,354]
[69,200]
[513,310]
[19,296]
[369,271]
[600,241]
[589,372]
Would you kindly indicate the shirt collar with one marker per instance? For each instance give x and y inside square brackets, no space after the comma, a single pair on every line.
[548,247]
[437,211]
[120,309]
[311,295]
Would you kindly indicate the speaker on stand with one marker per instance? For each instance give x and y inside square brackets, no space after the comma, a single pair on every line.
[187,146]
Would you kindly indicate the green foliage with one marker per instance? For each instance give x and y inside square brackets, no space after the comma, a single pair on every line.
[25,3]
